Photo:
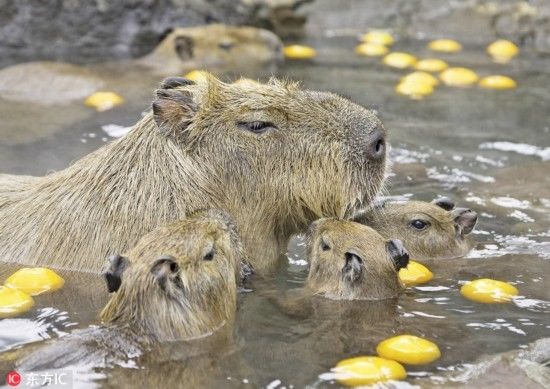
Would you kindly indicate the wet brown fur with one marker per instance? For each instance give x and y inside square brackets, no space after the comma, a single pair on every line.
[379,279]
[441,239]
[200,298]
[213,46]
[273,184]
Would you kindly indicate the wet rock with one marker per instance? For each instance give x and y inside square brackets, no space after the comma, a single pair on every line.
[47,83]
[524,368]
[281,16]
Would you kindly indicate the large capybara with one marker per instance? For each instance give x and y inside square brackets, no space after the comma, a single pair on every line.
[349,261]
[178,283]
[428,230]
[272,155]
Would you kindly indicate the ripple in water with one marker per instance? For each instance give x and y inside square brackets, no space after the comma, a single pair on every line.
[520,148]
[49,321]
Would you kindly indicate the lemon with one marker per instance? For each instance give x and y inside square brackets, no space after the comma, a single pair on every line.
[368,370]
[445,45]
[415,274]
[13,302]
[420,78]
[299,52]
[497,82]
[431,65]
[378,37]
[502,50]
[35,281]
[458,76]
[195,75]
[103,101]
[399,60]
[414,90]
[371,49]
[409,349]
[486,290]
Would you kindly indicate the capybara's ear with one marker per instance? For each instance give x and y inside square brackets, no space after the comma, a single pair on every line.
[465,220]
[184,45]
[174,108]
[445,203]
[163,269]
[113,274]
[174,82]
[398,253]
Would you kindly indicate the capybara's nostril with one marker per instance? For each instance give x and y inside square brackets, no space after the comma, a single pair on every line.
[376,149]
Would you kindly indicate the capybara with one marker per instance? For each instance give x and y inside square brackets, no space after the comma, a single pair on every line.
[349,261]
[428,230]
[272,155]
[178,283]
[213,46]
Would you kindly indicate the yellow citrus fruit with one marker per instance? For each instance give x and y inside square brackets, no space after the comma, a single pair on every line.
[415,274]
[421,78]
[431,65]
[486,290]
[103,101]
[371,49]
[368,370]
[399,60]
[409,349]
[497,82]
[195,75]
[414,90]
[299,52]
[445,45]
[458,76]
[13,302]
[378,37]
[502,50]
[35,281]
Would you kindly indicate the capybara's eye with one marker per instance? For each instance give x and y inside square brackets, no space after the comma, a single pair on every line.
[209,256]
[257,127]
[325,246]
[419,224]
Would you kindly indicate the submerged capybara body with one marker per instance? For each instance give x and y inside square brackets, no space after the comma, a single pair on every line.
[428,230]
[349,261]
[178,283]
[272,155]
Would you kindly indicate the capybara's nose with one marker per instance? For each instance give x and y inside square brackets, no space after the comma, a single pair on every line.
[376,148]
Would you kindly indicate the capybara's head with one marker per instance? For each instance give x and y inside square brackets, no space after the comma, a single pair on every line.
[215,46]
[349,261]
[428,230]
[292,155]
[179,281]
